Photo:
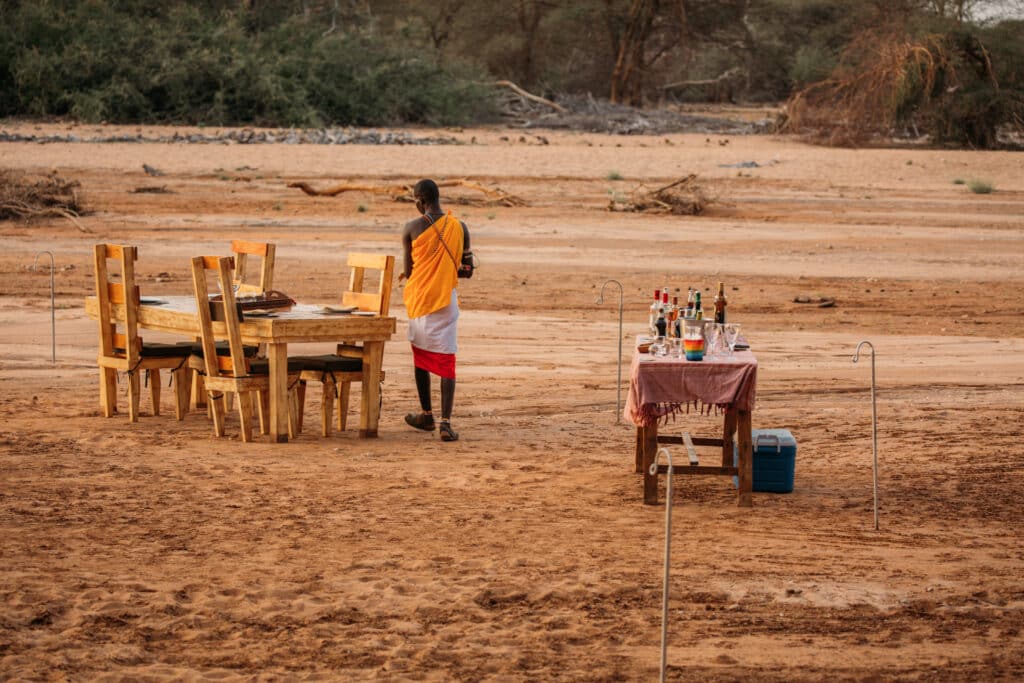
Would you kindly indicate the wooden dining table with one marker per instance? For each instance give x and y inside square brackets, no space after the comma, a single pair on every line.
[297,324]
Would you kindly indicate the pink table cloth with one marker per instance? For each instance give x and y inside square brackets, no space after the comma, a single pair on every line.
[664,386]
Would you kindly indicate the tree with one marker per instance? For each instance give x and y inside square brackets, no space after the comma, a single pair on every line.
[641,36]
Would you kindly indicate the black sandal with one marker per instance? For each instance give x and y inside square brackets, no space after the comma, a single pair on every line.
[447,433]
[420,421]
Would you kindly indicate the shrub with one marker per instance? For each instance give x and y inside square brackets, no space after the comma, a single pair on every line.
[978,186]
[121,62]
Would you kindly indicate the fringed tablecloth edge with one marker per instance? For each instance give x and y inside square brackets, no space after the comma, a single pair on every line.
[653,413]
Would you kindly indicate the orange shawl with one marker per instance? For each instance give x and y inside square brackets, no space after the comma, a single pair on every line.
[434,274]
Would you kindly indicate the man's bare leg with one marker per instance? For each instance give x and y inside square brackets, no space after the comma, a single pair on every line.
[425,420]
[447,401]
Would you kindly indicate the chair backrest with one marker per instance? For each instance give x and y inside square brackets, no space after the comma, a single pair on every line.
[235,364]
[125,343]
[378,301]
[242,250]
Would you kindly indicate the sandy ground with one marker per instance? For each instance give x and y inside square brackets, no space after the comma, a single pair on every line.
[523,553]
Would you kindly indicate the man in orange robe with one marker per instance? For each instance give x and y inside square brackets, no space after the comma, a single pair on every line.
[433,245]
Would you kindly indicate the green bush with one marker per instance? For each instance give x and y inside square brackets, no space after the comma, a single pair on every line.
[978,186]
[118,62]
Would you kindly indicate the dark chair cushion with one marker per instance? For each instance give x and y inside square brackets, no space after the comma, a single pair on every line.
[224,350]
[159,350]
[329,363]
[261,366]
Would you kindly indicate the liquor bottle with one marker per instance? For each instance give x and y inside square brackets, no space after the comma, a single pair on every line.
[653,314]
[689,304]
[665,307]
[673,318]
[698,312]
[661,324]
[720,303]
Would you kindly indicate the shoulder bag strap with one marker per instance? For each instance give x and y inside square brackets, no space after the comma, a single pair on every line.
[440,238]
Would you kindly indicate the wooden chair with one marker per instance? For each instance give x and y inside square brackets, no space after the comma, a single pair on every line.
[234,373]
[338,371]
[242,250]
[124,350]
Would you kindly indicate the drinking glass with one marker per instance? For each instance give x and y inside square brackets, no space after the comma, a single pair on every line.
[677,347]
[659,347]
[732,335]
[713,334]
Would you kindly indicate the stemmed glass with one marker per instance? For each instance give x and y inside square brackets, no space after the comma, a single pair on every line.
[732,335]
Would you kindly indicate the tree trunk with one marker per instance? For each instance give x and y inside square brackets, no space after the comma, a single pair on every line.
[627,76]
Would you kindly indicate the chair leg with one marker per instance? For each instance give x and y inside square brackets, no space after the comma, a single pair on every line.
[181,389]
[154,389]
[294,426]
[198,392]
[134,389]
[327,405]
[215,405]
[108,391]
[244,399]
[344,392]
[263,405]
[300,395]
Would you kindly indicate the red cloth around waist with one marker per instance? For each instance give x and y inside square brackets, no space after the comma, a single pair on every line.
[441,364]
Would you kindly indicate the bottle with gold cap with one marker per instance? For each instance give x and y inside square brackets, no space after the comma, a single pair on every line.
[720,303]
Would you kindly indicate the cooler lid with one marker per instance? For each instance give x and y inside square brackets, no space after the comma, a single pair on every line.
[773,439]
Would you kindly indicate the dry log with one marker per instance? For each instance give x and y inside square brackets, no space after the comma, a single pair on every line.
[404,193]
[718,80]
[530,96]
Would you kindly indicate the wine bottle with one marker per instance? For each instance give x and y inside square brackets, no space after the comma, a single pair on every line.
[698,312]
[653,314]
[720,303]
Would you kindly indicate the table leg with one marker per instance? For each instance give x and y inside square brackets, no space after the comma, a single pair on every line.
[373,356]
[650,447]
[746,458]
[639,454]
[728,432]
[277,353]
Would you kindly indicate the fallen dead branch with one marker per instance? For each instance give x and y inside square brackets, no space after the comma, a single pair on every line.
[49,196]
[403,193]
[819,301]
[683,197]
[530,96]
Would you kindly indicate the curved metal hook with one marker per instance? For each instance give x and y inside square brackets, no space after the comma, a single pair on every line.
[600,299]
[874,425]
[53,307]
[668,556]
[618,385]
[668,457]
[856,354]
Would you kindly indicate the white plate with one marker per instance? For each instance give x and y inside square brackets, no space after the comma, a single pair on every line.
[259,313]
[364,313]
[337,309]
[146,301]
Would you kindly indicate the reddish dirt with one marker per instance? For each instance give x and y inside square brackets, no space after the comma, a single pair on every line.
[523,551]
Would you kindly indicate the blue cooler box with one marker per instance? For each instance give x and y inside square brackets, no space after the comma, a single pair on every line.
[774,460]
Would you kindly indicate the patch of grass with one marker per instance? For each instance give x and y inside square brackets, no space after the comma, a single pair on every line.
[362,208]
[278,207]
[491,216]
[979,186]
[959,181]
[223,176]
[614,175]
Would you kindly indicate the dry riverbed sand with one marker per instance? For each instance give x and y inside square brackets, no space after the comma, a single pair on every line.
[523,552]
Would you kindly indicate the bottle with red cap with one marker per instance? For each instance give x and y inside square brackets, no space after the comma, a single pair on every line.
[653,317]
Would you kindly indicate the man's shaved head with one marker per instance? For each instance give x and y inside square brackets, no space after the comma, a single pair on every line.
[426,191]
